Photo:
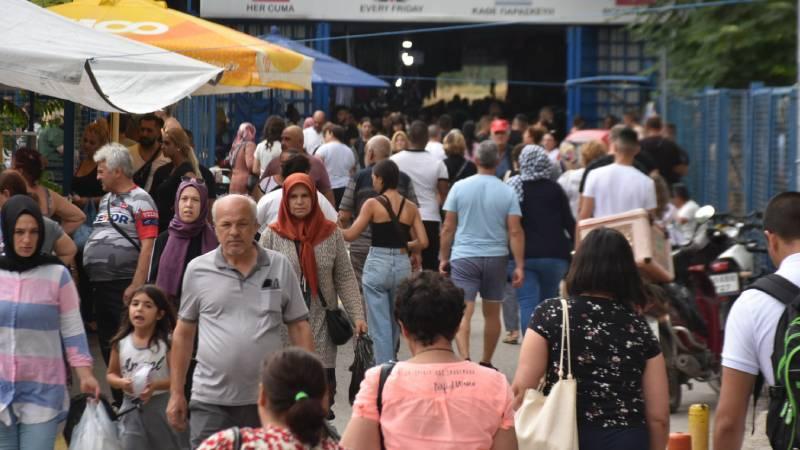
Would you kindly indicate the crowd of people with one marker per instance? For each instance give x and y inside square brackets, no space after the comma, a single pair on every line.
[404,230]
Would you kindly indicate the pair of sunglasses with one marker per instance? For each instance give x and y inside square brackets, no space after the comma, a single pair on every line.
[186,179]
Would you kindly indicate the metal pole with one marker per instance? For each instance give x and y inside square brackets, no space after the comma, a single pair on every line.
[663,80]
[797,103]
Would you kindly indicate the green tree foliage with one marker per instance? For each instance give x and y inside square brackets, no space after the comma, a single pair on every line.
[724,46]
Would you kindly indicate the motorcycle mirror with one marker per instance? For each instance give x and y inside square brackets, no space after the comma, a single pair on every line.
[704,214]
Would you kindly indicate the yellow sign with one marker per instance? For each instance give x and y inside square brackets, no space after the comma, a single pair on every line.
[250,64]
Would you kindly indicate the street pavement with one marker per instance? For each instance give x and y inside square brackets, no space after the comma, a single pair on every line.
[505,360]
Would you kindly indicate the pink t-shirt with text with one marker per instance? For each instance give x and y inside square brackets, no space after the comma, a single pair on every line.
[447,406]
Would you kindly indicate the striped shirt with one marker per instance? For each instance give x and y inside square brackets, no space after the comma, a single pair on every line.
[39,321]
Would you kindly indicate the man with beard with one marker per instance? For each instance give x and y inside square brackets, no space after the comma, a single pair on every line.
[147,156]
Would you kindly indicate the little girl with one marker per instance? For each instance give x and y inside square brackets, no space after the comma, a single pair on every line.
[143,341]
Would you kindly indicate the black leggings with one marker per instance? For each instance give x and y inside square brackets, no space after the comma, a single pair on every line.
[593,437]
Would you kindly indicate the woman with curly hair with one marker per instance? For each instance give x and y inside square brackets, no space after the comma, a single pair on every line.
[435,399]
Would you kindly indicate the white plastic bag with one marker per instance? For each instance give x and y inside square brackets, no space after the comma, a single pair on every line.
[95,431]
[140,379]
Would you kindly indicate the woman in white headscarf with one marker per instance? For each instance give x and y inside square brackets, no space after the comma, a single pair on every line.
[549,228]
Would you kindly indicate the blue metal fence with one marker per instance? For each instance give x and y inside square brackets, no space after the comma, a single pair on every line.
[742,144]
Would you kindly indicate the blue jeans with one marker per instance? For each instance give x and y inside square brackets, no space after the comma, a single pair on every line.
[510,303]
[35,436]
[384,270]
[542,277]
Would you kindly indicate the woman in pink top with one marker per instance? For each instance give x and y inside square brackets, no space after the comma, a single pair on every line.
[435,400]
[241,158]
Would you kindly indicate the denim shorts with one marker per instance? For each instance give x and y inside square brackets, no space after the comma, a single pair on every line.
[485,275]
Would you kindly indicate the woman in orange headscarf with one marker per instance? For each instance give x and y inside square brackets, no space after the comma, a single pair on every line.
[316,249]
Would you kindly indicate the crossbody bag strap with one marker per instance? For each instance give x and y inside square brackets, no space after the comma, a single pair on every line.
[461,170]
[119,228]
[304,280]
[237,438]
[565,341]
[383,200]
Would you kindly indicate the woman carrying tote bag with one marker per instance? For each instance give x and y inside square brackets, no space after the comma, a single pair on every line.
[622,400]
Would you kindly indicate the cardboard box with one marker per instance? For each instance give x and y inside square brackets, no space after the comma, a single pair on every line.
[651,248]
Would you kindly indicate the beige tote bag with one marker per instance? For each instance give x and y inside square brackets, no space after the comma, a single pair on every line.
[550,422]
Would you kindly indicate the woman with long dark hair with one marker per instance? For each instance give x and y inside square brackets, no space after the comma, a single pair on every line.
[623,400]
[292,405]
[397,229]
[270,146]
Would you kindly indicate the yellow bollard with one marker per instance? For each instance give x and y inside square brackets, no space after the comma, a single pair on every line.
[698,426]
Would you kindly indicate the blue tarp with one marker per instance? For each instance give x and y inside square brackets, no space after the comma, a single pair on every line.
[328,70]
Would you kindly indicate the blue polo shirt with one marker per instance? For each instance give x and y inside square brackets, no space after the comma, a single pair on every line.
[483,204]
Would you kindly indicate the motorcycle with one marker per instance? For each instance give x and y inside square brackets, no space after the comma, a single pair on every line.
[739,264]
[691,330]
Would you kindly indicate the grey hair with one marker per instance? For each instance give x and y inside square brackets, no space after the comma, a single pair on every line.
[230,197]
[380,145]
[116,156]
[487,155]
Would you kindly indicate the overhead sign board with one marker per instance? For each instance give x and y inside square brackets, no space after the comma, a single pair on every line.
[526,11]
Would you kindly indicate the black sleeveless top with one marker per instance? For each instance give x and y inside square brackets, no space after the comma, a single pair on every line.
[384,234]
[87,185]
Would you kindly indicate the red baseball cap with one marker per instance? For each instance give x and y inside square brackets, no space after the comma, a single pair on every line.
[499,126]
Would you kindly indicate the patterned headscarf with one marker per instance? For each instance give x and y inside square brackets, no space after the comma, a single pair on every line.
[245,135]
[534,164]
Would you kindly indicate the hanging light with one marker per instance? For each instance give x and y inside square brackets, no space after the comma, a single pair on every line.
[407,44]
[398,83]
[407,58]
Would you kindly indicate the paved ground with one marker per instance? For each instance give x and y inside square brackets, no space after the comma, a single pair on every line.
[506,361]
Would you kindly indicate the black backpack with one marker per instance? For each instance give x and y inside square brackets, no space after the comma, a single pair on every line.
[783,414]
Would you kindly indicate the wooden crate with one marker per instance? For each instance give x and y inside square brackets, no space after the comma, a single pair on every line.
[651,248]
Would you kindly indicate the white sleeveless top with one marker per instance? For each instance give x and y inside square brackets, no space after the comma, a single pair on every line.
[131,358]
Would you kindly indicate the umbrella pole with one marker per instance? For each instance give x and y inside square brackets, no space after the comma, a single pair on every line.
[115,127]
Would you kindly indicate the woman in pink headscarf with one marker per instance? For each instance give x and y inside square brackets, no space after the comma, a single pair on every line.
[241,158]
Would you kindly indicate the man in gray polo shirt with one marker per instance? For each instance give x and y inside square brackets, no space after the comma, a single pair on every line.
[238,294]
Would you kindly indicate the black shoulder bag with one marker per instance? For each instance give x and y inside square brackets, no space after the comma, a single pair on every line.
[119,228]
[339,328]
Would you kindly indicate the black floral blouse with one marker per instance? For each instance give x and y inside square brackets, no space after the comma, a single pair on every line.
[610,346]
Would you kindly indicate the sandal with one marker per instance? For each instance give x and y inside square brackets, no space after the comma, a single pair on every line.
[511,338]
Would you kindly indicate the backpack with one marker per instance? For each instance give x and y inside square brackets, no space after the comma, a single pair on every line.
[783,413]
[386,370]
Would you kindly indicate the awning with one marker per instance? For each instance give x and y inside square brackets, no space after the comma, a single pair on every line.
[45,53]
[327,70]
[250,64]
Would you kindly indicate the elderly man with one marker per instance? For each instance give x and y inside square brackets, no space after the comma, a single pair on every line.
[292,141]
[360,190]
[483,220]
[238,295]
[117,253]
[312,136]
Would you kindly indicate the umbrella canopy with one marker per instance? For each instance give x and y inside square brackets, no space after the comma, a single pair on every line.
[327,70]
[45,53]
[250,64]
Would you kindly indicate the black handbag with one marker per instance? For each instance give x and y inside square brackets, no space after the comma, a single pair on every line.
[340,329]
